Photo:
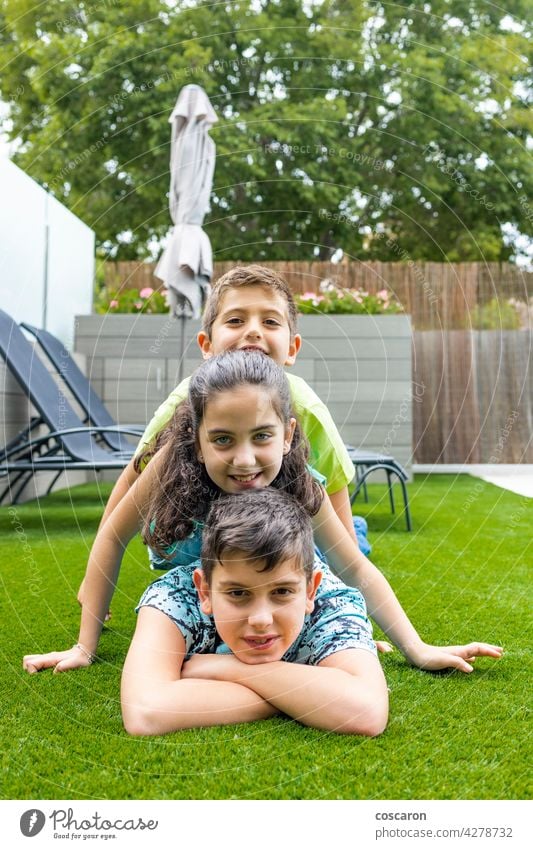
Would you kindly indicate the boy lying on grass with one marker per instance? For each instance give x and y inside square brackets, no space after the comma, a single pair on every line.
[245,637]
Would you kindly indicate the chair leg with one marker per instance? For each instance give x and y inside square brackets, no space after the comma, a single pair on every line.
[11,483]
[49,490]
[361,481]
[356,491]
[390,470]
[365,491]
[27,476]
[391,493]
[406,505]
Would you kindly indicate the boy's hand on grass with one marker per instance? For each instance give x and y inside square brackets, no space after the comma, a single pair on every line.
[433,658]
[60,661]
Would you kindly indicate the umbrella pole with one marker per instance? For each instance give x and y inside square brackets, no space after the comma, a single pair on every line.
[183,319]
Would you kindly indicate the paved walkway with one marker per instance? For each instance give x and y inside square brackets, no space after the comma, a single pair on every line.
[515,478]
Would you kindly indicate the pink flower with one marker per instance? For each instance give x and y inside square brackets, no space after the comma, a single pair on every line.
[139,305]
[307,296]
[383,294]
[358,298]
[146,292]
[113,304]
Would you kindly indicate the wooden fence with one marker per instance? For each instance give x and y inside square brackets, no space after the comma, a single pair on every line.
[472,390]
[472,396]
[436,295]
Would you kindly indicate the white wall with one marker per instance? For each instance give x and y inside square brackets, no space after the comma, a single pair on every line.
[25,211]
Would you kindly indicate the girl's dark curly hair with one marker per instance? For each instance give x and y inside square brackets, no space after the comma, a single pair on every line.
[185,491]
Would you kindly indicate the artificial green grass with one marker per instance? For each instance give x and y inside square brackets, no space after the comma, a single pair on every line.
[461,575]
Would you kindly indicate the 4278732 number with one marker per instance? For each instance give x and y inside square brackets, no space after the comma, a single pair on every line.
[484,831]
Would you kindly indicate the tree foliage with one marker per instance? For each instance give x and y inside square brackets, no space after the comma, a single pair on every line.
[387,130]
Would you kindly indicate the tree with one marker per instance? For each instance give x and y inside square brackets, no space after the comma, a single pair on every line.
[383,130]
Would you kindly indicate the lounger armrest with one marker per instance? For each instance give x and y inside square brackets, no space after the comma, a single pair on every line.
[57,434]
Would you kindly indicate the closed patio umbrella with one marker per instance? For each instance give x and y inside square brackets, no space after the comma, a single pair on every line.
[186,265]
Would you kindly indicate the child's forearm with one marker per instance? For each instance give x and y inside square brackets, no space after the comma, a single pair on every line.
[156,700]
[384,607]
[99,585]
[315,696]
[318,696]
[381,602]
[352,567]
[182,704]
[340,501]
[127,478]
[355,569]
[106,554]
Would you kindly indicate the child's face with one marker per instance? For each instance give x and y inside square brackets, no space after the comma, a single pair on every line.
[255,318]
[257,614]
[242,440]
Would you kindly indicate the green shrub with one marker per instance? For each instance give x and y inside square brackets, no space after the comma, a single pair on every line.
[494,315]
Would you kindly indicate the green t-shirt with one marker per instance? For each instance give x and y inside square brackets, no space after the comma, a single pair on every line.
[328,453]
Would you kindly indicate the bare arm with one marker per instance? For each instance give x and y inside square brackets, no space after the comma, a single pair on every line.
[355,569]
[127,478]
[156,700]
[345,693]
[340,501]
[102,573]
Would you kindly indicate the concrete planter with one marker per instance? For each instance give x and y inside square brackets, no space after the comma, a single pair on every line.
[360,366]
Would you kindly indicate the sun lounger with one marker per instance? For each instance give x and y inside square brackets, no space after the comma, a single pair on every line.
[68,443]
[90,402]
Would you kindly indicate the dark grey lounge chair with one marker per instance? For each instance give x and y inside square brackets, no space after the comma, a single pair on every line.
[92,405]
[69,444]
[366,463]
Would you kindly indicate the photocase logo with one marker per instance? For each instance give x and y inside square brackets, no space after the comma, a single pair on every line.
[32,822]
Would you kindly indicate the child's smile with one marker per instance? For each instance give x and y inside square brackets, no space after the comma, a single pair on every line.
[242,440]
[257,614]
[252,318]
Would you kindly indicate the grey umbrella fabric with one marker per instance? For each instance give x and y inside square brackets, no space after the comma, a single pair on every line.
[186,265]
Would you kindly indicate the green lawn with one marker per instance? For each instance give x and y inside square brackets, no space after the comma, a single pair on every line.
[461,575]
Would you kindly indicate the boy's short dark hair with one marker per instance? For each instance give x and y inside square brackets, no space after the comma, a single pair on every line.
[249,275]
[266,524]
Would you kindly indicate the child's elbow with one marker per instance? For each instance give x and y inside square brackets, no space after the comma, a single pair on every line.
[138,723]
[141,720]
[370,726]
[362,727]
[365,720]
